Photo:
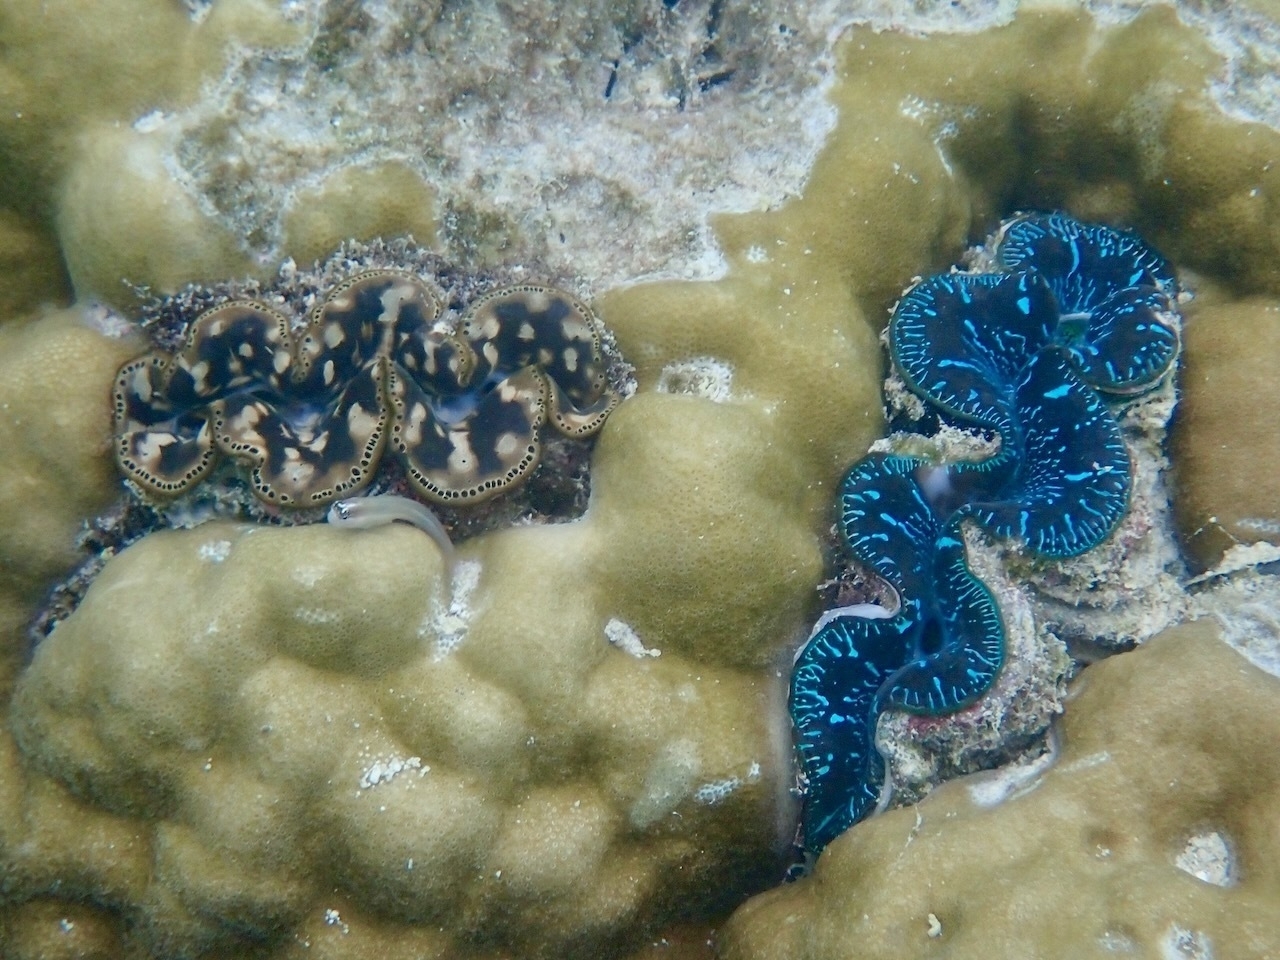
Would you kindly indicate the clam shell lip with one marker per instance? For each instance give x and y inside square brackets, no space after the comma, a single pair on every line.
[1079,313]
[372,373]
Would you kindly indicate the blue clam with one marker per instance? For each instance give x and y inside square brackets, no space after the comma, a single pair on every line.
[938,652]
[1077,312]
[1112,290]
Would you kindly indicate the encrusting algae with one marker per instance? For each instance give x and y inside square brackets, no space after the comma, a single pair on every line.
[288,741]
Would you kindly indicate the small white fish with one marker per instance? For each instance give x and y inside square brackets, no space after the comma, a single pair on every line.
[363,513]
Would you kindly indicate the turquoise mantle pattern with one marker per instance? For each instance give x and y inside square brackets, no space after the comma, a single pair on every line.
[1067,316]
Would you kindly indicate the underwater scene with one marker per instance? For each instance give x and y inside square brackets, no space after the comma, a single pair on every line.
[678,479]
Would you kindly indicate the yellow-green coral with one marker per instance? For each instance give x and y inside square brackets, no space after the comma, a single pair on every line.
[358,203]
[577,794]
[1228,487]
[74,82]
[323,720]
[1150,835]
[587,793]
[54,433]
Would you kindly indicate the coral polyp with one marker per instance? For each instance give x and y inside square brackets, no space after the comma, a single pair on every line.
[1075,313]
[311,413]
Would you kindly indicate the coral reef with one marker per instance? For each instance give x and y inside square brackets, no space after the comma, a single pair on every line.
[56,468]
[1150,835]
[258,131]
[644,647]
[312,412]
[83,174]
[524,708]
[302,738]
